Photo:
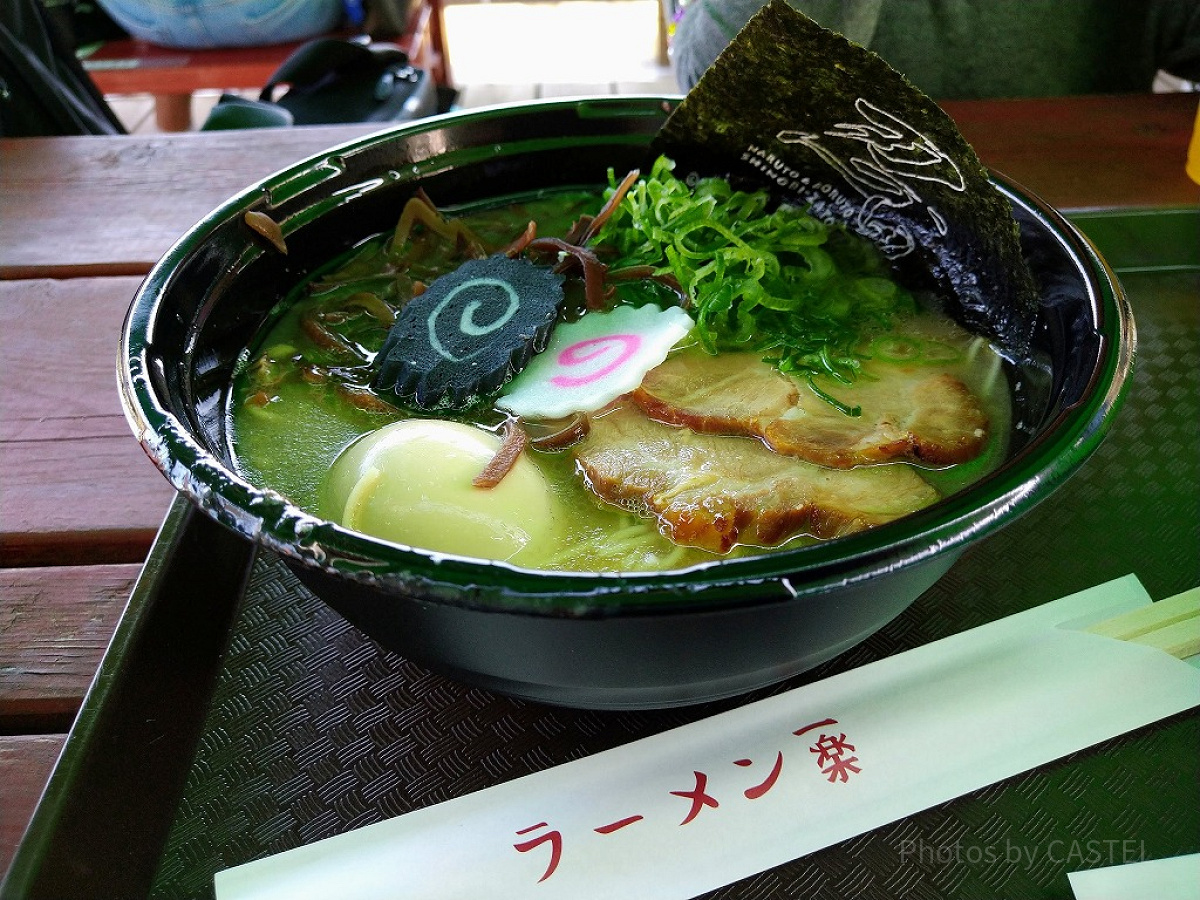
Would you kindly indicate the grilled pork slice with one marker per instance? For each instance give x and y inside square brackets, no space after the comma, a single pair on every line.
[730,393]
[715,491]
[908,411]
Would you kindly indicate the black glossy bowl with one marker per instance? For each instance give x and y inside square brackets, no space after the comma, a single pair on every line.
[582,639]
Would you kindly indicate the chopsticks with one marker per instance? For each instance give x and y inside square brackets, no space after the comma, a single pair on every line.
[1171,625]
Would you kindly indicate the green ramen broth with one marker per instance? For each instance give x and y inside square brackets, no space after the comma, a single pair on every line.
[803,396]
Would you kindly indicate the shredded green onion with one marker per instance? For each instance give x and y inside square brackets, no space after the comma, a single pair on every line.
[852,411]
[772,280]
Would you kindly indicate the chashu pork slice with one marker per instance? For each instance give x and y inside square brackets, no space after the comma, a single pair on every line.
[908,412]
[715,491]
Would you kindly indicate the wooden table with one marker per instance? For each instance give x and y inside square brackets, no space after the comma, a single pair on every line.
[82,218]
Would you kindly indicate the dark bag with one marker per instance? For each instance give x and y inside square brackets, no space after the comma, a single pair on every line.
[331,81]
[43,88]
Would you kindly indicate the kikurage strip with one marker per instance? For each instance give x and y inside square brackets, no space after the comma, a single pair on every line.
[315,328]
[610,206]
[517,247]
[264,225]
[512,445]
[418,209]
[575,430]
[648,273]
[593,270]
[364,398]
[372,305]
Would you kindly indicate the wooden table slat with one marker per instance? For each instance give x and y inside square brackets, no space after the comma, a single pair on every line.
[51,515]
[25,764]
[150,191]
[76,485]
[1121,151]
[55,625]
[1088,152]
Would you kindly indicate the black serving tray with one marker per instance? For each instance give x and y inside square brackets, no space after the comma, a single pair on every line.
[235,715]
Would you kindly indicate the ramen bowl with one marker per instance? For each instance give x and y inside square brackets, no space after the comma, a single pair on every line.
[600,640]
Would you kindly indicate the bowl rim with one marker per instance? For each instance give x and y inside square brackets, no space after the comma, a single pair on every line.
[270,520]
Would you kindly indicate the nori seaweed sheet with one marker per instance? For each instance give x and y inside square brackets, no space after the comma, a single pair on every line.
[827,124]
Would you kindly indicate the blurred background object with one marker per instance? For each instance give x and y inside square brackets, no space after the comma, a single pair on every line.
[225,23]
[43,88]
[974,49]
[498,52]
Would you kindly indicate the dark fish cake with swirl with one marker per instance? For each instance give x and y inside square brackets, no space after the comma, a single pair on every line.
[468,333]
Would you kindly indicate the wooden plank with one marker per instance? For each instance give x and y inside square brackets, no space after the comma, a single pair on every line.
[76,484]
[112,205]
[1088,152]
[79,501]
[55,625]
[115,204]
[25,765]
